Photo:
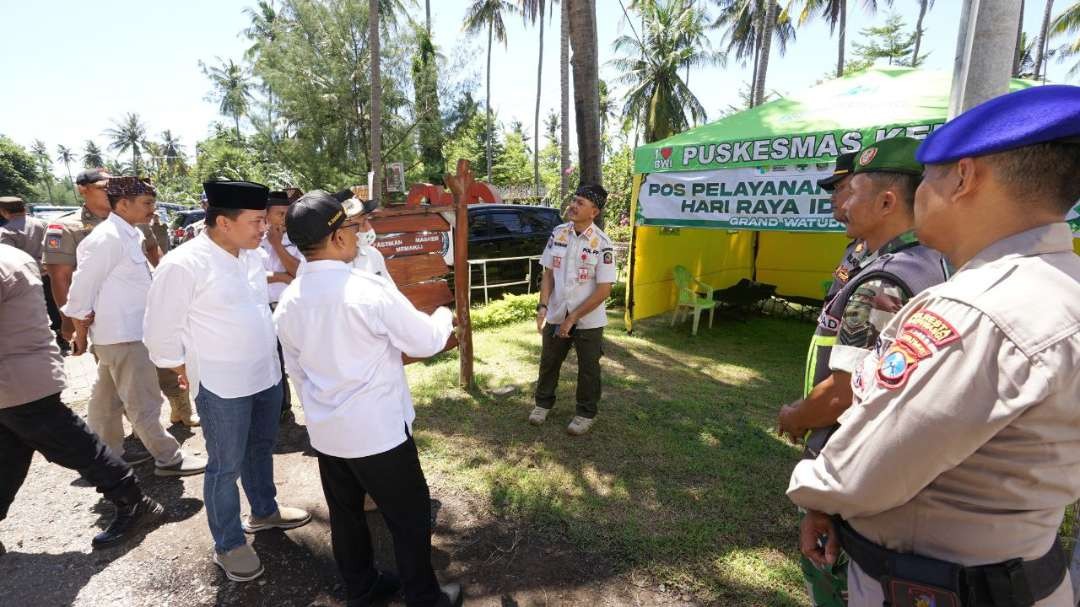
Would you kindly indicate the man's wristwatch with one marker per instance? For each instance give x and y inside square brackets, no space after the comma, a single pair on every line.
[538,306]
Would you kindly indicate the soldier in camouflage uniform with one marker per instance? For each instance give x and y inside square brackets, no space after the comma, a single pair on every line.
[879,211]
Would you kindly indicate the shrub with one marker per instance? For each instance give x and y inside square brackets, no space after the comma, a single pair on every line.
[509,309]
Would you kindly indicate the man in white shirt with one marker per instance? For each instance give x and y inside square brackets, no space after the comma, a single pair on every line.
[368,258]
[207,319]
[281,260]
[106,301]
[343,333]
[579,269]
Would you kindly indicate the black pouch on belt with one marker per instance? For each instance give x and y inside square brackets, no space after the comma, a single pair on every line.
[915,581]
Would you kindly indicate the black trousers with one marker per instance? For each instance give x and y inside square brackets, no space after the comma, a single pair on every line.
[286,393]
[50,306]
[588,343]
[396,482]
[49,427]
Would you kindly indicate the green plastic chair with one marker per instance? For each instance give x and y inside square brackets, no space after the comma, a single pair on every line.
[694,296]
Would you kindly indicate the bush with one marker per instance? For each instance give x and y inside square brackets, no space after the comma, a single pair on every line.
[618,233]
[618,295]
[509,309]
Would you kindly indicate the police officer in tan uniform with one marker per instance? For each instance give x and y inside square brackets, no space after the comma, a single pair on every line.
[579,269]
[950,473]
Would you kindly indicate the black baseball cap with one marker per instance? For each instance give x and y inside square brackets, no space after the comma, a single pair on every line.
[91,176]
[316,215]
[845,164]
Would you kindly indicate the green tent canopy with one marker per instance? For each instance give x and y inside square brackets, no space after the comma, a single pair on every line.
[813,126]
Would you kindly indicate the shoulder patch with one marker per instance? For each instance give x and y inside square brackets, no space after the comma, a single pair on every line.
[608,258]
[52,241]
[919,332]
[935,328]
[895,367]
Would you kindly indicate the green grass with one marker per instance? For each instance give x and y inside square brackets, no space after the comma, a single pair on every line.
[681,479]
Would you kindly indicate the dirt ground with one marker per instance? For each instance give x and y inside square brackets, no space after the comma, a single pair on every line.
[49,561]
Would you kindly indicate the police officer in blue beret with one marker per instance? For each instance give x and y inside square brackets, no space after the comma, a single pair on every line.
[949,476]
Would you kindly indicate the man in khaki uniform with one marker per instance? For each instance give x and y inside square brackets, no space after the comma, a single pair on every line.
[27,234]
[953,467]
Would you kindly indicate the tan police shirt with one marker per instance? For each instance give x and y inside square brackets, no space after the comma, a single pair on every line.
[963,441]
[25,233]
[578,262]
[30,364]
[64,235]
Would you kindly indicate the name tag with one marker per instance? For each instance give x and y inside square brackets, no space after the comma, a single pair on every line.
[583,275]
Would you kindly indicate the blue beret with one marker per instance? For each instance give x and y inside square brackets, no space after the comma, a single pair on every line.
[1030,116]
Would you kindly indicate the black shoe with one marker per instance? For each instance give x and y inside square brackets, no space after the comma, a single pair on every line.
[128,519]
[134,457]
[386,586]
[452,595]
[287,416]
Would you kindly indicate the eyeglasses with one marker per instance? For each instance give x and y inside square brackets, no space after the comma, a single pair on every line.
[354,226]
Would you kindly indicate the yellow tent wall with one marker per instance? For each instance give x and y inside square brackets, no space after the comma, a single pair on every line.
[799,262]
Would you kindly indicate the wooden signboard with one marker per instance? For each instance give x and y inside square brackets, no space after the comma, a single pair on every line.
[415,240]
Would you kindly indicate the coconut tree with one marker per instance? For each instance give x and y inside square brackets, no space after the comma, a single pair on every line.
[40,153]
[744,25]
[66,156]
[172,151]
[564,101]
[262,32]
[375,192]
[231,89]
[92,157]
[481,15]
[129,134]
[1044,38]
[651,67]
[924,6]
[533,11]
[1068,22]
[835,12]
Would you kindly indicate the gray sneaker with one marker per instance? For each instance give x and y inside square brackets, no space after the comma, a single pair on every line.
[579,425]
[538,415]
[240,564]
[284,518]
[188,465]
[134,457]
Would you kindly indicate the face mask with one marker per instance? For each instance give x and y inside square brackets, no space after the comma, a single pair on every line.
[367,238]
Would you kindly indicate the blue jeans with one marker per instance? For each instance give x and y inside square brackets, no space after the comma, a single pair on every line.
[240,435]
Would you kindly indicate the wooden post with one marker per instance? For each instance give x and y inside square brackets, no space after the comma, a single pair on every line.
[459,184]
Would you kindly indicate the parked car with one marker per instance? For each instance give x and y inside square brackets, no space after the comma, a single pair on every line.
[48,212]
[508,230]
[180,230]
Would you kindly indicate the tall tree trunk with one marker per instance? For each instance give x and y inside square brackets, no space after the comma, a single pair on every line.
[536,115]
[71,182]
[1019,43]
[46,176]
[376,100]
[564,108]
[586,89]
[427,12]
[842,39]
[757,58]
[918,33]
[491,30]
[766,46]
[236,121]
[1044,32]
[135,160]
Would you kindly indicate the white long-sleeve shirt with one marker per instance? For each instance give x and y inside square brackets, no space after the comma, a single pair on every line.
[273,264]
[343,332]
[207,310]
[112,278]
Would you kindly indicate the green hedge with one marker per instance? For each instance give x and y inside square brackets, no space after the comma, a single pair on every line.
[515,308]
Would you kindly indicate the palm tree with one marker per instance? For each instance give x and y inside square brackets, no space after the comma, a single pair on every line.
[650,68]
[533,10]
[375,191]
[586,88]
[128,135]
[232,89]
[744,21]
[172,151]
[924,5]
[42,155]
[1019,42]
[92,158]
[564,102]
[65,155]
[262,33]
[488,14]
[1068,22]
[1044,38]
[835,14]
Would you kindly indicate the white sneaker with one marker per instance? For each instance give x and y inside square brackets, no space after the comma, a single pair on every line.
[538,415]
[240,564]
[579,425]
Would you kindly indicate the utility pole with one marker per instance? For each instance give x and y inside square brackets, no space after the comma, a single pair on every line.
[985,50]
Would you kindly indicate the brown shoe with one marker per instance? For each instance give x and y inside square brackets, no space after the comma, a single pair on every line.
[284,518]
[181,410]
[241,564]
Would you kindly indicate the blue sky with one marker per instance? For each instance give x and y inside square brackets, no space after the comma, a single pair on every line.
[71,68]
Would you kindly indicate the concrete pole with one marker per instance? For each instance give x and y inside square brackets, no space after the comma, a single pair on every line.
[985,50]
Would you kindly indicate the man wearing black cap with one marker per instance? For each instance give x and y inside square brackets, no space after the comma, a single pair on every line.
[368,258]
[208,320]
[106,300]
[34,419]
[579,269]
[281,259]
[950,475]
[878,207]
[343,333]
